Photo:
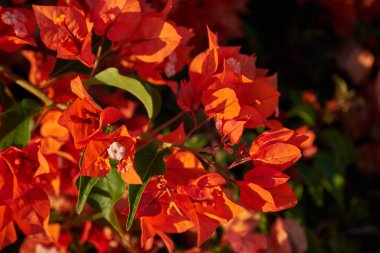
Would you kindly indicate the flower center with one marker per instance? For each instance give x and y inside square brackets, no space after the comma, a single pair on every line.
[116,151]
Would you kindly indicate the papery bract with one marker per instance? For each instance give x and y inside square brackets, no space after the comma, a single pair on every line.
[110,17]
[84,118]
[16,28]
[265,189]
[67,31]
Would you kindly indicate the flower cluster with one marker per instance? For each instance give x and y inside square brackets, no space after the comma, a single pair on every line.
[102,149]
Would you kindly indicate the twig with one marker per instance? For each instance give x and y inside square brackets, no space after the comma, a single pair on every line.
[237,163]
[220,170]
[97,58]
[197,127]
[168,123]
[31,88]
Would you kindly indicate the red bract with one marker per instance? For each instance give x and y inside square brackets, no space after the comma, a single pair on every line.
[265,189]
[18,170]
[84,118]
[41,66]
[67,31]
[22,199]
[16,28]
[30,212]
[277,148]
[232,90]
[194,199]
[110,17]
[102,148]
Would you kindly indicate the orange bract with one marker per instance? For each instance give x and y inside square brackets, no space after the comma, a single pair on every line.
[110,17]
[265,189]
[67,31]
[277,148]
[84,118]
[17,26]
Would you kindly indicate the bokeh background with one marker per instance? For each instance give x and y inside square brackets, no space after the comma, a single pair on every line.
[327,56]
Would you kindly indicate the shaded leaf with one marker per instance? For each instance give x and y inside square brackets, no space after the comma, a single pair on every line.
[149,161]
[112,77]
[16,123]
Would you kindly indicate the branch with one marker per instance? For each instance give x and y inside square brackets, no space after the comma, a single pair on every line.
[31,88]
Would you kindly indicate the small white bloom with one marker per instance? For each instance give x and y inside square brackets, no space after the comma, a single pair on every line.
[170,69]
[42,249]
[234,64]
[218,125]
[173,57]
[19,16]
[125,166]
[9,18]
[20,30]
[116,151]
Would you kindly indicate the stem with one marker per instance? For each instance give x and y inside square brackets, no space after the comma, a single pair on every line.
[220,170]
[97,59]
[31,88]
[197,127]
[203,150]
[39,120]
[237,163]
[168,123]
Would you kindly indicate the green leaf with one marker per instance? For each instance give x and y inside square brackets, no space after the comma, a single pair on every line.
[84,185]
[148,96]
[304,112]
[105,193]
[16,124]
[149,162]
[343,150]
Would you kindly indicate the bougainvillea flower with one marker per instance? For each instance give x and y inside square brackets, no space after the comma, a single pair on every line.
[30,212]
[158,73]
[154,40]
[41,66]
[84,118]
[110,17]
[188,98]
[308,148]
[18,168]
[266,190]
[206,205]
[277,148]
[54,136]
[233,91]
[222,104]
[240,234]
[286,236]
[177,136]
[67,31]
[172,204]
[167,220]
[16,28]
[58,240]
[102,148]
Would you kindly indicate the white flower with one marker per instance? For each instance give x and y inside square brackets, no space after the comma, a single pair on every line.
[173,57]
[20,30]
[19,16]
[42,249]
[9,18]
[170,69]
[116,151]
[234,64]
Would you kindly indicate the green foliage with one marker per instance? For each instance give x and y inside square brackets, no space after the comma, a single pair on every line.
[102,194]
[149,162]
[17,122]
[148,96]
